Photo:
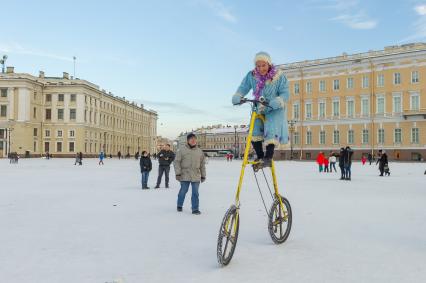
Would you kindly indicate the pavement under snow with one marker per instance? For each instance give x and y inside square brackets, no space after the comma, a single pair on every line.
[90,223]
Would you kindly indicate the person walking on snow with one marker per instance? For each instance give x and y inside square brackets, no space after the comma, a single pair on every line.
[320,161]
[270,83]
[332,160]
[347,161]
[190,169]
[101,158]
[146,167]
[165,158]
[342,163]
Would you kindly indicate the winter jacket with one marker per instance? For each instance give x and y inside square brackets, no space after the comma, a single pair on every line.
[332,159]
[145,164]
[320,159]
[342,157]
[347,157]
[190,164]
[165,157]
[383,160]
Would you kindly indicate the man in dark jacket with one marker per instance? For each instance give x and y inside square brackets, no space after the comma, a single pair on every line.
[342,163]
[165,158]
[146,166]
[347,161]
[382,161]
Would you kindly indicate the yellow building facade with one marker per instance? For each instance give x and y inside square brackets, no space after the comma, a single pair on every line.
[63,116]
[368,101]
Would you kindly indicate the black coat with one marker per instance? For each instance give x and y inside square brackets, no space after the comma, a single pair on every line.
[165,157]
[383,160]
[145,163]
[342,157]
[347,157]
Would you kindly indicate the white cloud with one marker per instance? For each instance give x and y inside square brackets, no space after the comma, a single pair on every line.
[220,10]
[19,49]
[420,9]
[419,25]
[355,21]
[350,14]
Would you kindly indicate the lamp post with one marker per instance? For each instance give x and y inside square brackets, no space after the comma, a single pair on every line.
[291,128]
[235,140]
[9,131]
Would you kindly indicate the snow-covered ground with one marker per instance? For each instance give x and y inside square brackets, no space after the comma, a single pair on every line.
[90,223]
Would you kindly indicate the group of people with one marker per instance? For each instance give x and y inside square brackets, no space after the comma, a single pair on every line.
[229,156]
[326,164]
[345,162]
[190,170]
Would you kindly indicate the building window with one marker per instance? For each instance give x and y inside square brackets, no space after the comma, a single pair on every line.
[322,137]
[47,133]
[396,104]
[365,136]
[397,134]
[350,83]
[380,105]
[59,133]
[336,84]
[396,78]
[72,133]
[308,137]
[380,80]
[59,146]
[3,110]
[296,111]
[336,108]
[60,114]
[35,132]
[415,135]
[48,114]
[381,136]
[414,77]
[351,138]
[309,87]
[350,105]
[71,147]
[46,146]
[35,146]
[73,114]
[414,102]
[321,109]
[73,97]
[48,97]
[336,137]
[34,113]
[60,97]
[365,81]
[3,92]
[365,107]
[2,134]
[296,88]
[308,107]
[322,86]
[296,138]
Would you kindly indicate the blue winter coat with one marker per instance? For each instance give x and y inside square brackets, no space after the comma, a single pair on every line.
[275,128]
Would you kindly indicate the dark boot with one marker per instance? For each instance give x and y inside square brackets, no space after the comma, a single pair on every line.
[258,148]
[267,161]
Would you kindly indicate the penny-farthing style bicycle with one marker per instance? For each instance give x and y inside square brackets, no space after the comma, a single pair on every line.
[279,215]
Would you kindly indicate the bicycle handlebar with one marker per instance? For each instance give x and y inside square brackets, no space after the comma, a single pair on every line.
[261,100]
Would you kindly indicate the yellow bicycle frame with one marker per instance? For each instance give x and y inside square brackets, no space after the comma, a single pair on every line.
[254,116]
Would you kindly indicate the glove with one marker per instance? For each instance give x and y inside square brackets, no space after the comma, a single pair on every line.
[203,179]
[236,99]
[178,177]
[261,108]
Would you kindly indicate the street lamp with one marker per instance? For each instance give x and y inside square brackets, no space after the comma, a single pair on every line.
[9,131]
[3,63]
[235,141]
[291,128]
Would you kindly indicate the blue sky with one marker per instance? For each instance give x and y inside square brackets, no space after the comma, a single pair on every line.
[186,58]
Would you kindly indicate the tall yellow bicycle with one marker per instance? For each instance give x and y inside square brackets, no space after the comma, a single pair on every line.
[279,215]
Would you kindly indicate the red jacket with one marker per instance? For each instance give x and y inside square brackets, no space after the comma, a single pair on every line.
[320,159]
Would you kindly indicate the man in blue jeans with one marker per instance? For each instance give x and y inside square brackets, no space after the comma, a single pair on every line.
[190,169]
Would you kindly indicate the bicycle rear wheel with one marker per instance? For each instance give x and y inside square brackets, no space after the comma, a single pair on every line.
[228,236]
[280,219]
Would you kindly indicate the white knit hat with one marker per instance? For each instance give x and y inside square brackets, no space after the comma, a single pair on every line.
[263,56]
